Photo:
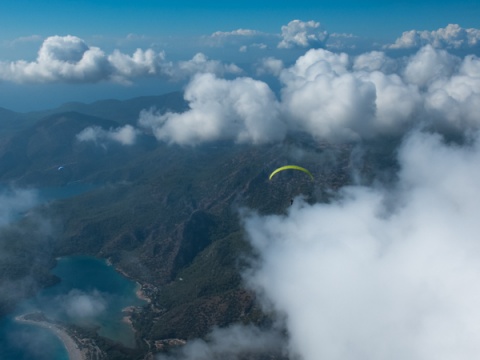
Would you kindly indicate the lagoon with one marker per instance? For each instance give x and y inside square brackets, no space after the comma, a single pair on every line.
[90,293]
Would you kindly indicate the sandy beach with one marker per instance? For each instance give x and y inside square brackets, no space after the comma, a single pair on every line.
[74,353]
[141,294]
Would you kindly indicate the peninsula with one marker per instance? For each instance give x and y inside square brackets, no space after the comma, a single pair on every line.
[70,343]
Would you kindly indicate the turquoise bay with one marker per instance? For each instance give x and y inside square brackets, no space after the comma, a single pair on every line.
[90,293]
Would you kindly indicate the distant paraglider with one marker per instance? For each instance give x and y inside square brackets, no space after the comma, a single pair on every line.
[290,167]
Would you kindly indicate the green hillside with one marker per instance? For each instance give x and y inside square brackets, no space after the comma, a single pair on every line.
[164,215]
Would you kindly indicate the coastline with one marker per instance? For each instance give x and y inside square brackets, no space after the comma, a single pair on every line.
[79,344]
[129,310]
[141,294]
[74,352]
[139,291]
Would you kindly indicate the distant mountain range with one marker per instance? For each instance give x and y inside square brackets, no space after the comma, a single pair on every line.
[120,111]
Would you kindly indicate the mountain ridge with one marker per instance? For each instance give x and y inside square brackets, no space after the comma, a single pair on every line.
[161,213]
[121,111]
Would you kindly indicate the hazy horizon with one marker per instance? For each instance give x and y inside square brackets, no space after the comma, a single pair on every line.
[68,51]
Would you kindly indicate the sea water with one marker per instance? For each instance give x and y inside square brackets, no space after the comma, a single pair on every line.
[90,293]
[26,342]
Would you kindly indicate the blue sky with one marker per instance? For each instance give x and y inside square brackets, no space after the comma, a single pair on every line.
[116,18]
[181,29]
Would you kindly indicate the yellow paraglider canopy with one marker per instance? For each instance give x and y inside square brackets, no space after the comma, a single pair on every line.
[290,167]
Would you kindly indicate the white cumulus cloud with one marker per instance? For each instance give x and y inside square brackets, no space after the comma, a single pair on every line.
[141,63]
[296,34]
[380,273]
[242,110]
[452,36]
[428,65]
[70,59]
[454,100]
[200,63]
[66,58]
[302,34]
[324,97]
[125,135]
[330,96]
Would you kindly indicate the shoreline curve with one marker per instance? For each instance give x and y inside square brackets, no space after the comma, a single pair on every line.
[74,352]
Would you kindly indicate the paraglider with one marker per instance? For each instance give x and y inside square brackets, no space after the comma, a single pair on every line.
[290,167]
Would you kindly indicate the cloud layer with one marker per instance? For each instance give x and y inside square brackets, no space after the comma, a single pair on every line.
[380,272]
[296,34]
[386,271]
[70,59]
[330,96]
